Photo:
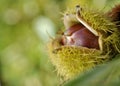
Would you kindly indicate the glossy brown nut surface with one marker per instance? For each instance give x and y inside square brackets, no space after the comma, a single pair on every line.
[78,35]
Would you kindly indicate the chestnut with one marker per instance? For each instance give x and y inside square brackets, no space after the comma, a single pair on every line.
[79,35]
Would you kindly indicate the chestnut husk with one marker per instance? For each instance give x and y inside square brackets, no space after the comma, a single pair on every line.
[71,60]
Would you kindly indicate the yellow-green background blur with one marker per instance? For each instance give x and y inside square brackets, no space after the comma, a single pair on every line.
[25,27]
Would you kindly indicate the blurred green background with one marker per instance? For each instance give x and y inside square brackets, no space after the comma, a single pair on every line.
[25,27]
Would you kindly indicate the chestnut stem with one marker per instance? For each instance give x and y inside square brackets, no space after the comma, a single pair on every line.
[83,21]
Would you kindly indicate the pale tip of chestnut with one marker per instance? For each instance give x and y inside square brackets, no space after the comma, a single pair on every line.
[69,20]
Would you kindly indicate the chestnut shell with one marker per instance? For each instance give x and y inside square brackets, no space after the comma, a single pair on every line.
[79,35]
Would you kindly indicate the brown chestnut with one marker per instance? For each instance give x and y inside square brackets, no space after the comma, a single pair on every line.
[79,35]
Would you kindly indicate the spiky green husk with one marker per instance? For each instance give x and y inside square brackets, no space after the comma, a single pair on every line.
[102,24]
[73,60]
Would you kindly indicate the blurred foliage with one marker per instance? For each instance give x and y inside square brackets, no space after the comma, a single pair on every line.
[23,36]
[25,26]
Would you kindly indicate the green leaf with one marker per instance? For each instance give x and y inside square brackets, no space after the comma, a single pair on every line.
[104,75]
